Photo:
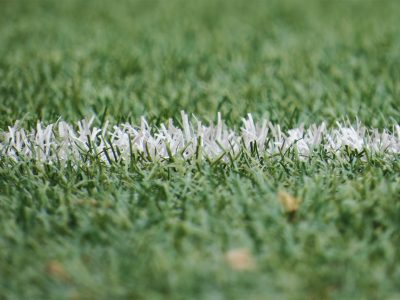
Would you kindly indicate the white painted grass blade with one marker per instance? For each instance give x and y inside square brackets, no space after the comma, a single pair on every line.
[64,141]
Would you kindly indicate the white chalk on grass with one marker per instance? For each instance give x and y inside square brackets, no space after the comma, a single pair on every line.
[64,141]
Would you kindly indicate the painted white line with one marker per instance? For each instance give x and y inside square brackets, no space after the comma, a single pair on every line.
[63,141]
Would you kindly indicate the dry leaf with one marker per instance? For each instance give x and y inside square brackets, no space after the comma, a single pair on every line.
[289,202]
[56,270]
[240,259]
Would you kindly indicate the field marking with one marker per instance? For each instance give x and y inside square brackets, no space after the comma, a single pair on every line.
[64,141]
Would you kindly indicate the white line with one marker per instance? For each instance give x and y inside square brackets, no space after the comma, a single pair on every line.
[63,141]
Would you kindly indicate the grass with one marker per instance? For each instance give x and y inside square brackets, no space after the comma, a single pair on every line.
[161,230]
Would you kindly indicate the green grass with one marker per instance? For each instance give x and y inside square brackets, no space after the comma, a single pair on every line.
[145,230]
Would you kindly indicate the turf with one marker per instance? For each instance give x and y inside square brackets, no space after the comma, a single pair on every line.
[161,230]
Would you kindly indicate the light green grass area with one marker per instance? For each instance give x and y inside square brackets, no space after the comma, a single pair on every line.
[162,230]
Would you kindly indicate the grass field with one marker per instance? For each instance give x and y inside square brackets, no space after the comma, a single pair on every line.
[254,227]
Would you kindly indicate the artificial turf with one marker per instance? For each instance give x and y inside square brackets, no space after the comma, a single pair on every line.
[162,230]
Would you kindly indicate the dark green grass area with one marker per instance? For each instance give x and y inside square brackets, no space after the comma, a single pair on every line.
[161,230]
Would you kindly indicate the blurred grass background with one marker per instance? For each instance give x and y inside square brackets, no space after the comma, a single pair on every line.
[291,61]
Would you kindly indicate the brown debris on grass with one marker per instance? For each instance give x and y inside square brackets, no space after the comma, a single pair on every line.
[57,271]
[289,202]
[240,259]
